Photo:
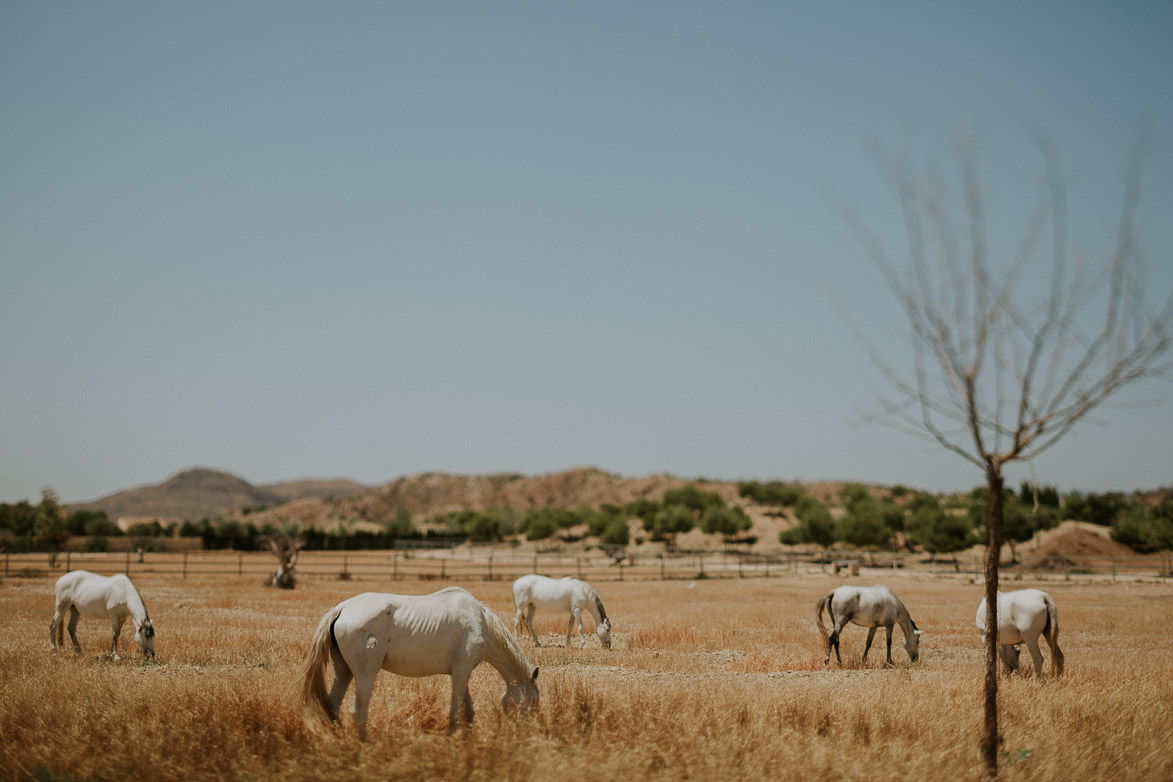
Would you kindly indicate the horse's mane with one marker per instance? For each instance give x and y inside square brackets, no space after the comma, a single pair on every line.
[593,596]
[139,595]
[497,629]
[599,604]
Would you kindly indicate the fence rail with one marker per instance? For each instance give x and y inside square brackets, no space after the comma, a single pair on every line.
[483,563]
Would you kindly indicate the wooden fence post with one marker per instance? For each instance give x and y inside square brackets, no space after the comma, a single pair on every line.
[394,567]
[345,564]
[442,564]
[239,563]
[128,562]
[185,566]
[490,578]
[67,566]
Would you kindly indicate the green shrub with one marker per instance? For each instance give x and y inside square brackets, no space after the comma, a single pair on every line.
[96,545]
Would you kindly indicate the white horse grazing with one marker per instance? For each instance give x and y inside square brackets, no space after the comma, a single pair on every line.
[446,632]
[869,607]
[1023,616]
[532,592]
[81,592]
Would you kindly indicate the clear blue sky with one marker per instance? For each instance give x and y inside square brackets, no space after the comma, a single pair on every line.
[372,239]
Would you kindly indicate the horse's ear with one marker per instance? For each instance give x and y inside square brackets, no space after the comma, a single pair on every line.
[534,676]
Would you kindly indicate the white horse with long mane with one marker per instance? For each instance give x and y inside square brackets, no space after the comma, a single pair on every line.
[447,632]
[572,595]
[83,593]
[1023,616]
[871,607]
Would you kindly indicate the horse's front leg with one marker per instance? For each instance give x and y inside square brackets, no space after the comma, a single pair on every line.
[888,630]
[116,626]
[867,646]
[578,621]
[460,712]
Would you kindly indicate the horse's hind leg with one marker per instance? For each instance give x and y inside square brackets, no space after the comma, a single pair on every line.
[364,685]
[74,615]
[834,641]
[530,610]
[57,627]
[1036,654]
[342,679]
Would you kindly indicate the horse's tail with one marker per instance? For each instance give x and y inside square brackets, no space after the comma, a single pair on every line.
[319,712]
[826,601]
[1051,632]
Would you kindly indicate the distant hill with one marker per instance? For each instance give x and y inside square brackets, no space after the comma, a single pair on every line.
[203,493]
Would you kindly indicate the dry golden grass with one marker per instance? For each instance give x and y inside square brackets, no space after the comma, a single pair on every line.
[722,681]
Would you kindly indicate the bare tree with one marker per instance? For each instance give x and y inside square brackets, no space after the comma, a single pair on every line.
[286,546]
[1003,366]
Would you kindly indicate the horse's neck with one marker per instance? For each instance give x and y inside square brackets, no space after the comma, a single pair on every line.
[904,619]
[138,609]
[595,606]
[503,653]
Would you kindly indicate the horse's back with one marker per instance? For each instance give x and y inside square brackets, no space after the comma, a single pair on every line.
[92,594]
[1025,610]
[546,592]
[1022,612]
[867,606]
[411,635]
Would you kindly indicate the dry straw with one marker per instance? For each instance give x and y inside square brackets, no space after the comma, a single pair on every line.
[723,681]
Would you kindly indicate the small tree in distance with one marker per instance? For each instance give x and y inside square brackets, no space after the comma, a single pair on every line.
[1001,370]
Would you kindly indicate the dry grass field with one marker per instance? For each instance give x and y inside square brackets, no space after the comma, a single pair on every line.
[722,681]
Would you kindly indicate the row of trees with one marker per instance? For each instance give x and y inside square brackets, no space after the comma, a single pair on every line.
[680,510]
[925,521]
[901,519]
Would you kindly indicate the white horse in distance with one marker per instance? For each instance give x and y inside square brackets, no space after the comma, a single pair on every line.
[571,595]
[447,632]
[870,607]
[1023,616]
[83,593]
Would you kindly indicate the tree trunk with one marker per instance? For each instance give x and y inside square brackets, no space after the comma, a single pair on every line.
[993,554]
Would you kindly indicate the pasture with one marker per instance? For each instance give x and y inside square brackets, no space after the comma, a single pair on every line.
[721,681]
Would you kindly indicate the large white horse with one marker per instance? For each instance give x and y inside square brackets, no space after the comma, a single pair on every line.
[869,607]
[83,593]
[446,632]
[572,595]
[1023,616]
